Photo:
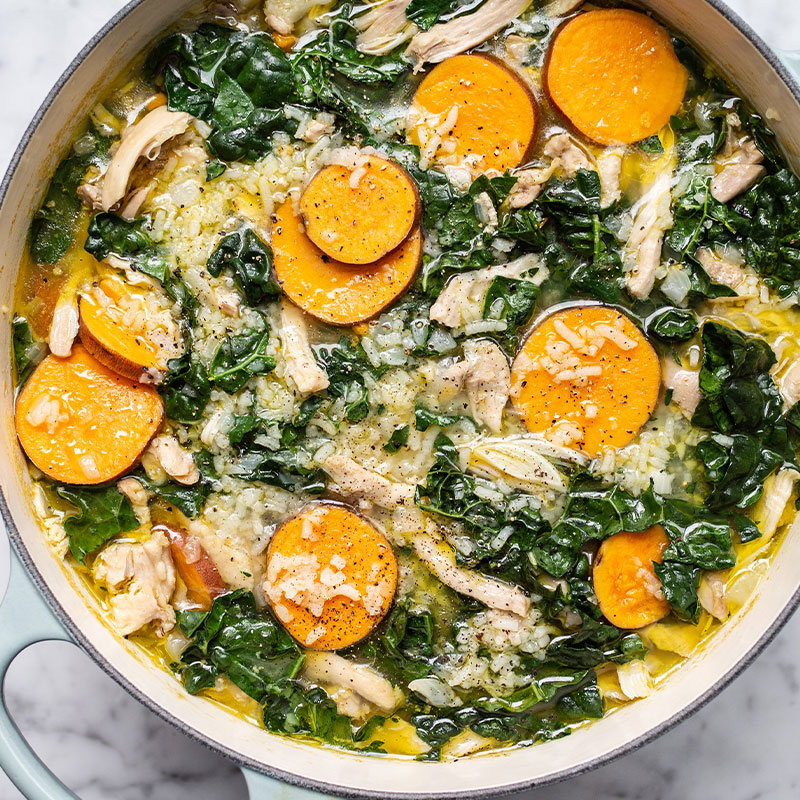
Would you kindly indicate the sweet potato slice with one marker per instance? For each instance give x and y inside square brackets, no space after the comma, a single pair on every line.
[359,215]
[197,570]
[331,576]
[587,378]
[79,422]
[131,353]
[614,75]
[481,114]
[627,587]
[337,293]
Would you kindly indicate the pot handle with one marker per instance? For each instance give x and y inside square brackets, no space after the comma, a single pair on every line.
[262,787]
[25,618]
[791,58]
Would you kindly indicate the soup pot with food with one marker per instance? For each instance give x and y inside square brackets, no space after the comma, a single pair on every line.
[403,397]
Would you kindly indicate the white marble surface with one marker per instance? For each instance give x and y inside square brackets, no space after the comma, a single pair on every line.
[106,746]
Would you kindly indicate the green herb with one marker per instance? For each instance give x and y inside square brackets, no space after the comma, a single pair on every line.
[346,365]
[28,352]
[424,418]
[236,640]
[250,261]
[239,358]
[398,439]
[55,225]
[652,145]
[214,169]
[102,513]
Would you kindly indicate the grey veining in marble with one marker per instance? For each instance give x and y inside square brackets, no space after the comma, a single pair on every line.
[105,746]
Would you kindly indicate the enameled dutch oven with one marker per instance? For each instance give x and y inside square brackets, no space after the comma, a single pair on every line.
[44,600]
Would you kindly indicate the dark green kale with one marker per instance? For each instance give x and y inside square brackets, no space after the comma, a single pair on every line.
[671,324]
[240,357]
[28,352]
[347,365]
[236,640]
[130,240]
[398,439]
[102,513]
[514,301]
[741,402]
[289,466]
[424,418]
[189,499]
[186,388]
[55,225]
[238,82]
[250,261]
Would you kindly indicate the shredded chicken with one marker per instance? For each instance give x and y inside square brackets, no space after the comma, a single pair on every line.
[132,205]
[440,560]
[139,498]
[488,382]
[461,300]
[91,195]
[351,479]
[329,668]
[384,27]
[712,595]
[742,168]
[777,493]
[720,270]
[234,556]
[64,327]
[570,155]
[307,375]
[560,8]
[174,460]
[609,168]
[685,385]
[451,38]
[228,301]
[141,578]
[643,249]
[530,183]
[282,15]
[144,139]
[790,384]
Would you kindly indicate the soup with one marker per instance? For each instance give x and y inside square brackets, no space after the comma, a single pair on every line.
[415,378]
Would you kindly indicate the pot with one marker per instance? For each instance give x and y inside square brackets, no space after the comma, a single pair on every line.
[45,600]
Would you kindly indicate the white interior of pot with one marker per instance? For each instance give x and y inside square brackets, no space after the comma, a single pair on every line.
[743,64]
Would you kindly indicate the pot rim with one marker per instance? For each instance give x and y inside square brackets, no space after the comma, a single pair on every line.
[82,640]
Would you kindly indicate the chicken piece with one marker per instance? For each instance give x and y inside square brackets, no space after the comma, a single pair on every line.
[448,39]
[64,327]
[461,301]
[138,496]
[712,595]
[570,155]
[351,479]
[303,368]
[228,302]
[777,493]
[530,183]
[141,578]
[685,385]
[282,15]
[440,560]
[790,384]
[643,249]
[634,680]
[488,382]
[609,168]
[144,139]
[331,669]
[560,8]
[132,205]
[741,170]
[720,270]
[174,460]
[91,195]
[384,27]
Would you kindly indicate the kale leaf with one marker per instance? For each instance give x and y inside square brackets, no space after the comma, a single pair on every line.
[28,352]
[239,641]
[102,513]
[186,388]
[55,225]
[239,358]
[250,261]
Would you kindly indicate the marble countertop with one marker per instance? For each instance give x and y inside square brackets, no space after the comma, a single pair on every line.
[105,746]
